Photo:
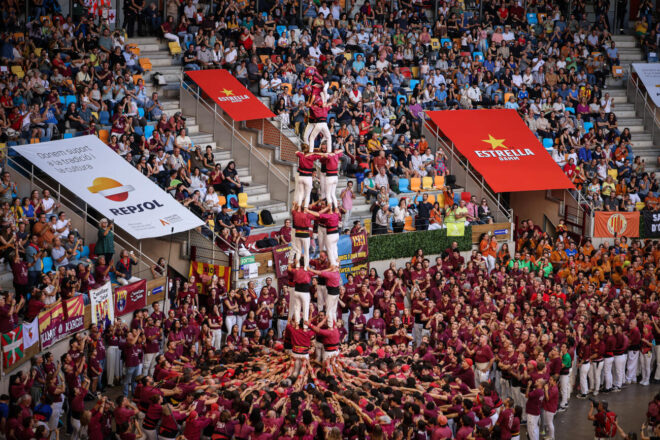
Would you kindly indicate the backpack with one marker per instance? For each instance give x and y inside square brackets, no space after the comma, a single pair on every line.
[266,243]
[610,428]
[266,217]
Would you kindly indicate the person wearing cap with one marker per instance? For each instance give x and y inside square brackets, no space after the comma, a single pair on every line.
[441,431]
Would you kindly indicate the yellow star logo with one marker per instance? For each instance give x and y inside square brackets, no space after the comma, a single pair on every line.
[227,92]
[495,143]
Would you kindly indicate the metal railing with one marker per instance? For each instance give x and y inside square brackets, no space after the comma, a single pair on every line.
[79,208]
[210,119]
[502,212]
[643,104]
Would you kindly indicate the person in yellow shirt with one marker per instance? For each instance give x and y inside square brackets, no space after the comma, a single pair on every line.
[373,144]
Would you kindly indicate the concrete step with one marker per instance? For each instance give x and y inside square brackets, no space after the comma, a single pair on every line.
[220,155]
[255,190]
[143,40]
[152,46]
[631,56]
[616,91]
[624,113]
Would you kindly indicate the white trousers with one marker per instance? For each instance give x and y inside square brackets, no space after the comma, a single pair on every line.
[303,190]
[565,389]
[584,375]
[313,130]
[230,321]
[331,241]
[656,351]
[300,248]
[646,367]
[149,363]
[321,296]
[55,416]
[619,370]
[171,37]
[480,376]
[490,263]
[608,366]
[533,426]
[322,181]
[113,363]
[150,434]
[595,374]
[331,190]
[217,338]
[632,366]
[75,424]
[549,423]
[300,306]
[125,282]
[321,236]
[331,302]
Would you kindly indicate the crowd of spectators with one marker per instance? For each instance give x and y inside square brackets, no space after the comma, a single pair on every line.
[466,346]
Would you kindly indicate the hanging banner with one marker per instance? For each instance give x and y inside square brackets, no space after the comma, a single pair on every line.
[281,255]
[130,298]
[12,347]
[30,333]
[232,96]
[649,73]
[156,289]
[63,319]
[204,272]
[103,307]
[353,253]
[651,224]
[455,229]
[500,146]
[616,224]
[111,185]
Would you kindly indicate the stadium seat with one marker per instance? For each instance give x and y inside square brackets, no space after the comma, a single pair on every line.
[288,88]
[439,182]
[431,199]
[408,224]
[137,78]
[413,83]
[457,197]
[104,117]
[67,136]
[414,70]
[45,139]
[570,110]
[231,197]
[617,72]
[435,44]
[531,18]
[403,185]
[427,183]
[47,263]
[588,126]
[406,72]
[18,71]
[399,97]
[280,29]
[548,143]
[69,99]
[415,184]
[243,201]
[478,56]
[444,41]
[141,112]
[148,131]
[393,202]
[175,48]
[222,200]
[466,195]
[145,63]
[253,220]
[507,96]
[62,100]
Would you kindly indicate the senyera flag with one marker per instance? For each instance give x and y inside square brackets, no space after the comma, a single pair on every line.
[616,224]
[232,96]
[501,147]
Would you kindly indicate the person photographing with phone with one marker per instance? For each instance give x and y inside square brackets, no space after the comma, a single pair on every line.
[604,421]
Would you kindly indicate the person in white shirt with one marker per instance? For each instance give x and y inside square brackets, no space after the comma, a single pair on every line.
[336,10]
[212,201]
[183,141]
[48,204]
[474,93]
[324,10]
[231,54]
[315,51]
[62,226]
[606,103]
[516,79]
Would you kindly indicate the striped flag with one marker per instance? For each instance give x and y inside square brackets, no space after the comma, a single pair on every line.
[12,347]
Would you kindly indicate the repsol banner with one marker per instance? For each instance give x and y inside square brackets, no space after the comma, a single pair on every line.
[109,184]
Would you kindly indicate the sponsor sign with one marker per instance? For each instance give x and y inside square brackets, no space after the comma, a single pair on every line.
[500,146]
[651,224]
[649,73]
[616,224]
[232,96]
[109,184]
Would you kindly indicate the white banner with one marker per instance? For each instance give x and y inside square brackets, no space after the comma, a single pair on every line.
[30,333]
[103,307]
[650,76]
[112,186]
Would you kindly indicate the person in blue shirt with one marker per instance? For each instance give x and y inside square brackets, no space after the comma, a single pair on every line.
[358,64]
[33,256]
[584,154]
[523,93]
[441,97]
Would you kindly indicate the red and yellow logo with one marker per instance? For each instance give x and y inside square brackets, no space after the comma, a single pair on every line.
[617,224]
[110,189]
[231,97]
[505,153]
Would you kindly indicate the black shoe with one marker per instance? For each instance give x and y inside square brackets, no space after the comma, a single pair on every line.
[581,396]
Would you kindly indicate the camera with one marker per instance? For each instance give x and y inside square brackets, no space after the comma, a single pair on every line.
[594,401]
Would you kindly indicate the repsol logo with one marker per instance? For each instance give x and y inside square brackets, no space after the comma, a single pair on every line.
[134,209]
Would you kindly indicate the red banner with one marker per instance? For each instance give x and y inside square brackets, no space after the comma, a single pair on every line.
[616,224]
[63,319]
[500,146]
[131,297]
[232,96]
[204,272]
[281,260]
